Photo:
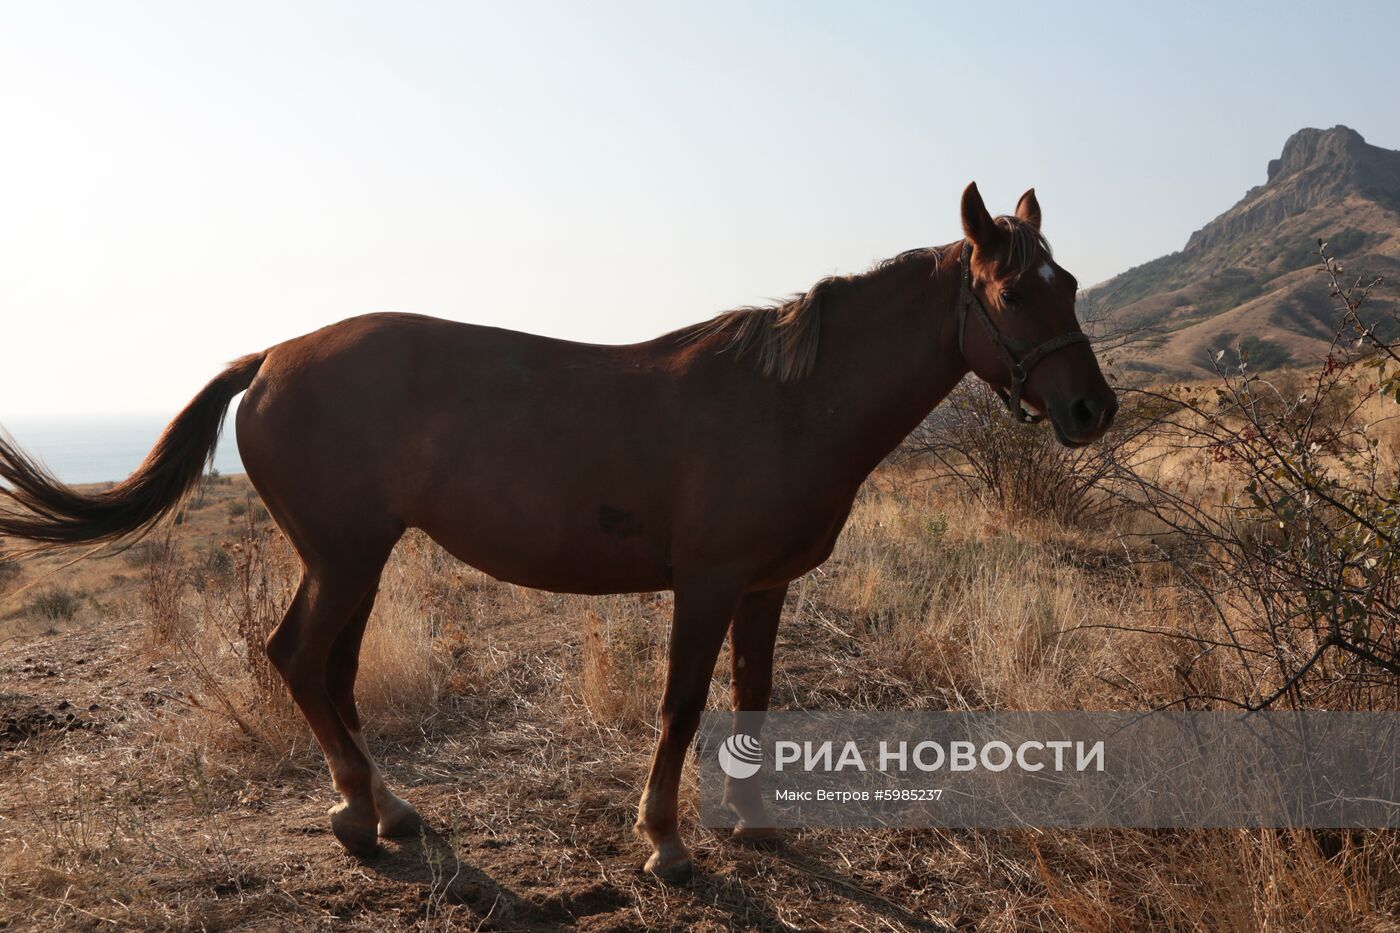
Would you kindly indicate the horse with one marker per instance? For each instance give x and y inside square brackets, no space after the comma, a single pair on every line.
[719,461]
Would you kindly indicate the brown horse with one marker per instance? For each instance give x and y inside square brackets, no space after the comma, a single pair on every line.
[719,461]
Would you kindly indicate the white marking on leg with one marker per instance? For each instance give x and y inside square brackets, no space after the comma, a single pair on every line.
[395,813]
[376,779]
[339,767]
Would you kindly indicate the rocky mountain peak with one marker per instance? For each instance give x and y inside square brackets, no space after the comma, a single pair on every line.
[1248,278]
[1312,148]
[1316,167]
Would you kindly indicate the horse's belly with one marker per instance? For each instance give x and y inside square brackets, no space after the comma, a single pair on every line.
[562,556]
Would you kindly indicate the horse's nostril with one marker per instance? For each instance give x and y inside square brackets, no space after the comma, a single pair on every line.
[1085,412]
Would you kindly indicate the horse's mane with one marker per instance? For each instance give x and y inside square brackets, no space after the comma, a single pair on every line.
[1023,243]
[783,336]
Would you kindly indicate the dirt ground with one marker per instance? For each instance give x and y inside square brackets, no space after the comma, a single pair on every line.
[552,851]
[114,815]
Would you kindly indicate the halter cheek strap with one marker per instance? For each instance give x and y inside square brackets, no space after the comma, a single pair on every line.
[1019,368]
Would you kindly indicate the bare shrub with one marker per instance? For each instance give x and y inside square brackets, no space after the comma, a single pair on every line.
[55,604]
[10,571]
[163,579]
[248,604]
[144,553]
[215,567]
[214,625]
[1023,469]
[1289,527]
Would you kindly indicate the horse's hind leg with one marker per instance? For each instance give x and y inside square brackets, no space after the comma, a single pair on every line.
[751,640]
[396,815]
[702,614]
[300,648]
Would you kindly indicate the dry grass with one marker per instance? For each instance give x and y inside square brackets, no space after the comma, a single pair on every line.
[978,613]
[520,722]
[988,615]
[110,579]
[623,660]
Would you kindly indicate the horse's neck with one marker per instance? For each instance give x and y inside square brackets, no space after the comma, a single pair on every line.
[889,355]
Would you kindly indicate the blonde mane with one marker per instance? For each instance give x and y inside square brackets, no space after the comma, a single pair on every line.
[1024,244]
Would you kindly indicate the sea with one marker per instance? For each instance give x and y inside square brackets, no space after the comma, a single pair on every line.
[102,448]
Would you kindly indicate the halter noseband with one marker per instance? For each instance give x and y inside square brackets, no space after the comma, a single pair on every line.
[1020,369]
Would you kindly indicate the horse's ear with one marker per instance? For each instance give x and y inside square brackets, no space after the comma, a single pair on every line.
[1028,209]
[977,222]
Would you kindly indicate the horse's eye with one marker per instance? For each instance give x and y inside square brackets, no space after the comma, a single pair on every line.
[1009,296]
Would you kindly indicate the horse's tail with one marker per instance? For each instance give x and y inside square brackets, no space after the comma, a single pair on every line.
[35,506]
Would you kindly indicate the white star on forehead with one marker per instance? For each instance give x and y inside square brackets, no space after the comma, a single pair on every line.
[1046,272]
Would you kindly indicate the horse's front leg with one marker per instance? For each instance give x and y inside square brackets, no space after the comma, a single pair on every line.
[703,610]
[751,641]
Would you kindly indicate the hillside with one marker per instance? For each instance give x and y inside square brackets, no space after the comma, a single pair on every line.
[1248,277]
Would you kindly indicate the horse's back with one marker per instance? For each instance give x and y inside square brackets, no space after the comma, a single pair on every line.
[546,462]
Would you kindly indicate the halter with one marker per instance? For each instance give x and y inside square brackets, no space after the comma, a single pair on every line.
[1020,369]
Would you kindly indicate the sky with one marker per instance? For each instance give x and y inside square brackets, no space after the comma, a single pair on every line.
[183,183]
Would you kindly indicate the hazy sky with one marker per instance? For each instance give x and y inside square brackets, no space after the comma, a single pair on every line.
[183,183]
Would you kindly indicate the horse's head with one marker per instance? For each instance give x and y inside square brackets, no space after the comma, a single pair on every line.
[1018,330]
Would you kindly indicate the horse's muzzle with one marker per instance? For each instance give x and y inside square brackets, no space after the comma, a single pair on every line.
[1085,419]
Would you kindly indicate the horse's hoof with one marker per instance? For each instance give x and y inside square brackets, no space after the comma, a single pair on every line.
[758,837]
[674,871]
[670,861]
[399,819]
[355,833]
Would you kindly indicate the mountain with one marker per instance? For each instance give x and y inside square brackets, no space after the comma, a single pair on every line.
[1248,277]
